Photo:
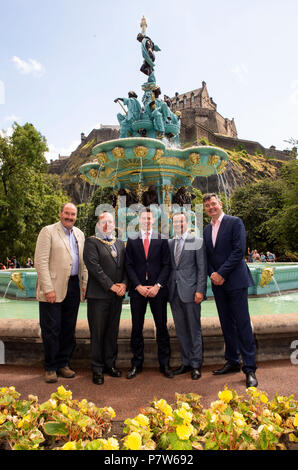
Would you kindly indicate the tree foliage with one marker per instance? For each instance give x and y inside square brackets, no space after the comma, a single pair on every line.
[269,210]
[29,197]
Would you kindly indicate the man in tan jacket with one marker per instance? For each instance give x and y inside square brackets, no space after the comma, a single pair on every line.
[61,284]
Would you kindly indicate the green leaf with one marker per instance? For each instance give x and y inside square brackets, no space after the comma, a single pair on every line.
[94,445]
[211,445]
[53,428]
[263,440]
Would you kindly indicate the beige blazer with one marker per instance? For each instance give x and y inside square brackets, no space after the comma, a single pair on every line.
[53,261]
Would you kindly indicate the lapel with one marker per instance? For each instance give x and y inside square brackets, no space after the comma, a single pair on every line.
[183,249]
[63,236]
[140,245]
[152,244]
[109,249]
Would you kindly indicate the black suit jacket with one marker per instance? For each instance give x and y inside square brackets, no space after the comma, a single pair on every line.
[227,257]
[103,269]
[157,266]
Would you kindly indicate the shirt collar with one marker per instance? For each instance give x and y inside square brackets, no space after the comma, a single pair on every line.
[144,233]
[67,232]
[183,236]
[218,220]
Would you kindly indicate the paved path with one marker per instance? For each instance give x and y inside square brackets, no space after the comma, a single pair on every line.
[128,396]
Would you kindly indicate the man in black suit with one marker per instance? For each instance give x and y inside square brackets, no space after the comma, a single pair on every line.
[225,241]
[104,256]
[148,266]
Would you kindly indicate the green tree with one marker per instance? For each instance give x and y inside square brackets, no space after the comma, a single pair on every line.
[87,217]
[29,197]
[269,211]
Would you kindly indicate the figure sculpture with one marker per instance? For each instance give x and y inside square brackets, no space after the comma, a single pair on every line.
[133,113]
[148,48]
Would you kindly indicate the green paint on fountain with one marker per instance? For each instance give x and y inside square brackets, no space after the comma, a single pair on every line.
[285,275]
[148,152]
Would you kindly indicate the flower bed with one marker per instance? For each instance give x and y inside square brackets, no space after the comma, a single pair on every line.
[232,422]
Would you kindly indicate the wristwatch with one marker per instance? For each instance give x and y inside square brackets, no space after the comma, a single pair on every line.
[159,285]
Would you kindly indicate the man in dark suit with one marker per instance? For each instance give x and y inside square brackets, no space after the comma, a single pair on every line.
[225,241]
[104,256]
[148,266]
[187,289]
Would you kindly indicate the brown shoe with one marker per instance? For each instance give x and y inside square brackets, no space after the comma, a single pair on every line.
[66,372]
[51,376]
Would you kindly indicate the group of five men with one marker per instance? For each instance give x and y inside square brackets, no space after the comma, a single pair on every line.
[154,270]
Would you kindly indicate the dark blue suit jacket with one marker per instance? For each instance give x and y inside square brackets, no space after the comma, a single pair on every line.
[227,257]
[157,266]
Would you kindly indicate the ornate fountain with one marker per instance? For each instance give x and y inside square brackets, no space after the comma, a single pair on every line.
[147,164]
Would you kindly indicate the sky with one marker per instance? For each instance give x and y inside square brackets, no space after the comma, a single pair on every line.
[63,62]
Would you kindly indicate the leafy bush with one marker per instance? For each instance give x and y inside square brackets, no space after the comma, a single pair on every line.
[232,422]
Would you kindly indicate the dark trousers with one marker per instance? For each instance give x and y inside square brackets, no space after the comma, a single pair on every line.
[235,322]
[187,319]
[58,323]
[158,306]
[103,318]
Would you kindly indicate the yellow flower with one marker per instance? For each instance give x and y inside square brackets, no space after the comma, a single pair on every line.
[111,444]
[63,392]
[186,415]
[133,441]
[263,398]
[219,405]
[239,419]
[185,405]
[278,419]
[64,409]
[225,395]
[53,403]
[3,389]
[111,411]
[142,420]
[296,420]
[183,432]
[69,446]
[164,407]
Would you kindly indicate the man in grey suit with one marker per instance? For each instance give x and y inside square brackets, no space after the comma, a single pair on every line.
[104,256]
[187,289]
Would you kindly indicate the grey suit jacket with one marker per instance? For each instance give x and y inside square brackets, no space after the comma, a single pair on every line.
[190,275]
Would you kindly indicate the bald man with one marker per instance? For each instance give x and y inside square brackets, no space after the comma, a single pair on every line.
[61,284]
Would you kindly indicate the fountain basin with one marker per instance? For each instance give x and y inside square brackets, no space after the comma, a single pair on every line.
[121,162]
[285,274]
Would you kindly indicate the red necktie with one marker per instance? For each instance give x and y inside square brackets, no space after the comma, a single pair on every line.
[146,245]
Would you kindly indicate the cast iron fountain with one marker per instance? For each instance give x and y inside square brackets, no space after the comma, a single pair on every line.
[147,164]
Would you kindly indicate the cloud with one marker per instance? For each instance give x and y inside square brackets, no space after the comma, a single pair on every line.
[294,94]
[240,71]
[29,67]
[54,152]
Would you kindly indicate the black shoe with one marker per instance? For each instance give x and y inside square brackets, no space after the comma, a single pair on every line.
[182,370]
[251,380]
[113,372]
[167,372]
[98,378]
[195,374]
[133,372]
[226,369]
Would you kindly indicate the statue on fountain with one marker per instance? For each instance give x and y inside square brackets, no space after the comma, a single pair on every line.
[148,48]
[133,114]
